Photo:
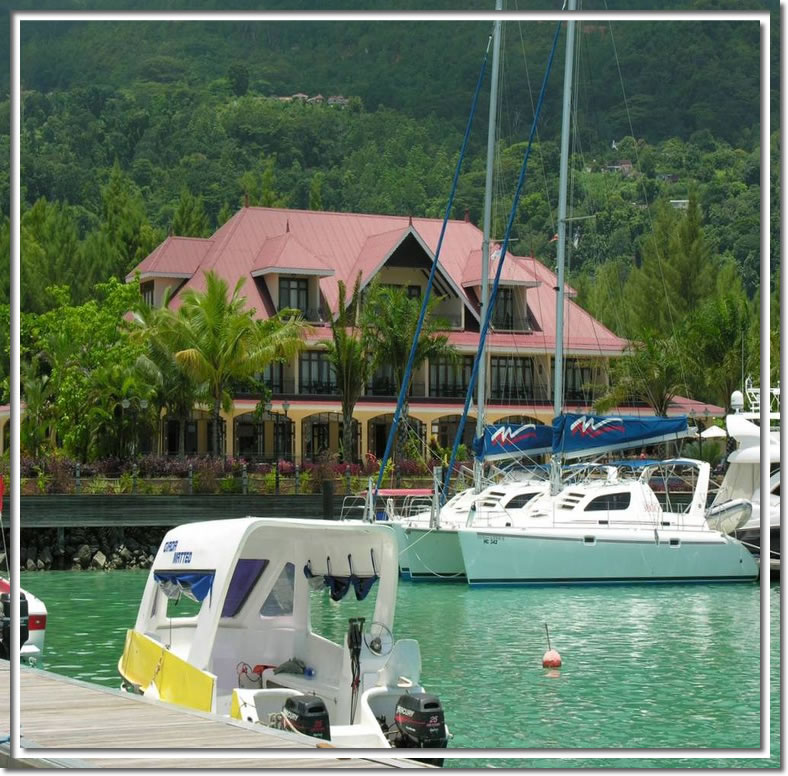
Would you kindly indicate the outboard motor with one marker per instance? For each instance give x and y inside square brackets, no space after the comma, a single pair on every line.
[419,720]
[308,715]
[5,623]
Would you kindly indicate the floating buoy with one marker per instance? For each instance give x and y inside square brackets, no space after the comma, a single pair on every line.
[551,658]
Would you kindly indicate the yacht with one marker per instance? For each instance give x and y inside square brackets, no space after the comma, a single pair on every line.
[742,479]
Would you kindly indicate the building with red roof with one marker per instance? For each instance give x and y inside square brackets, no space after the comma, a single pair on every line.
[296,258]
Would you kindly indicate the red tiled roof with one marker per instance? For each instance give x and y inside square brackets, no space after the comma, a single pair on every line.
[349,243]
[286,253]
[175,257]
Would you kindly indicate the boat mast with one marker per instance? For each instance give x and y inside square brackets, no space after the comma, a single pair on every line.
[558,376]
[481,386]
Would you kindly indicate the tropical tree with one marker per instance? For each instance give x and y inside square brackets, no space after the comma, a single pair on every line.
[349,352]
[219,341]
[37,395]
[391,319]
[190,219]
[715,337]
[173,389]
[652,370]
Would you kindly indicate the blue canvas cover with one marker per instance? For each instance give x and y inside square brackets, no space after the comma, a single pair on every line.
[509,440]
[193,584]
[581,435]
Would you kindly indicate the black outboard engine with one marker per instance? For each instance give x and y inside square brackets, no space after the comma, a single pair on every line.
[308,715]
[5,623]
[419,720]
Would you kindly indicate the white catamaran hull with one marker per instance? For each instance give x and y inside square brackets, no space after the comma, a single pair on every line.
[563,556]
[429,553]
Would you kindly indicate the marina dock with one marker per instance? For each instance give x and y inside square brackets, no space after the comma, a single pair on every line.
[58,713]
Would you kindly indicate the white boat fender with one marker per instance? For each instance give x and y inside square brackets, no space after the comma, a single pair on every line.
[551,658]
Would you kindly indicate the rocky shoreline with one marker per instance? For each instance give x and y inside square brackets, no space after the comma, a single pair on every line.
[86,549]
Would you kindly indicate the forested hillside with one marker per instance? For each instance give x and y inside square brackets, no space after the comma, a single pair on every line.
[133,129]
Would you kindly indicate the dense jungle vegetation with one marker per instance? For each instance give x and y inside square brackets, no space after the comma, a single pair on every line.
[133,129]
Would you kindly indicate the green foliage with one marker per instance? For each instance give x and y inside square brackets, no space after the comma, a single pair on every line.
[238,76]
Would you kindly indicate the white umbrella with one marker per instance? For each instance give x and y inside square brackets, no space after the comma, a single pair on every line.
[713,432]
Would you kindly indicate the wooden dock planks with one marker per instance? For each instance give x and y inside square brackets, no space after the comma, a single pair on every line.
[60,713]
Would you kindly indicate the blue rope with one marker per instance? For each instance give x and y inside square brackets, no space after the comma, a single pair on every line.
[409,368]
[494,292]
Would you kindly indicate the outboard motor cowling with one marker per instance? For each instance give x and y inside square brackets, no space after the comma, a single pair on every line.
[308,715]
[419,719]
[5,623]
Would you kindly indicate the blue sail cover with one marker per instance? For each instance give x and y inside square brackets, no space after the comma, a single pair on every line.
[579,435]
[513,441]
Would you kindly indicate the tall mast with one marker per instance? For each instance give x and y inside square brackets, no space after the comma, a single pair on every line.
[481,387]
[558,376]
[558,388]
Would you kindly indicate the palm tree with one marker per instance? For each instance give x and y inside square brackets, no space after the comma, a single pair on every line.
[173,388]
[350,354]
[220,341]
[392,317]
[651,372]
[37,395]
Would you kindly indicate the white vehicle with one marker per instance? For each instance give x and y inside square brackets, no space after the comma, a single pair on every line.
[250,651]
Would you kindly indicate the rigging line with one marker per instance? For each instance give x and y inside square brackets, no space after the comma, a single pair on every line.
[428,289]
[494,291]
[645,197]
[533,108]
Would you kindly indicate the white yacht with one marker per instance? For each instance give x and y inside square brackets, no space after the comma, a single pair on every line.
[742,478]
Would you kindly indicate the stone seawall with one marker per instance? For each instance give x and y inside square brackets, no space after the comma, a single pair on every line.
[88,549]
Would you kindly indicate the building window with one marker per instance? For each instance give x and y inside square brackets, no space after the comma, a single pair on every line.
[146,289]
[382,383]
[293,293]
[577,380]
[414,292]
[273,377]
[511,377]
[316,372]
[503,312]
[449,378]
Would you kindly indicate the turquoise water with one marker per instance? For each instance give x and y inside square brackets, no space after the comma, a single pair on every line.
[643,667]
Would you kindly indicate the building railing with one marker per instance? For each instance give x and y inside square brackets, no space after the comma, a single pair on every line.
[386,387]
[310,314]
[319,388]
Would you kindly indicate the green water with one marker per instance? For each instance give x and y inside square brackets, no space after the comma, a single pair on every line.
[643,667]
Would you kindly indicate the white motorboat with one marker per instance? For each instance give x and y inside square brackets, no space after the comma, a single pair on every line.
[32,621]
[608,531]
[742,480]
[250,650]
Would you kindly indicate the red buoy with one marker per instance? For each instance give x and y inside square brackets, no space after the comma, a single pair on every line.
[551,659]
